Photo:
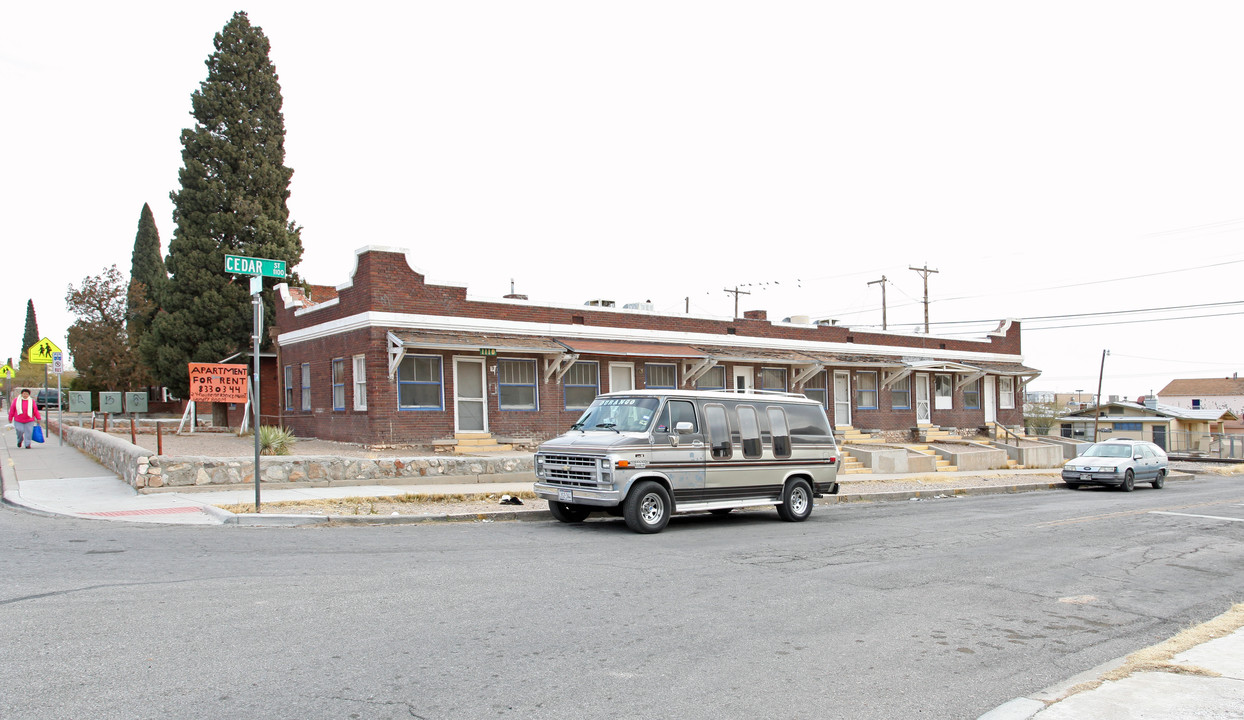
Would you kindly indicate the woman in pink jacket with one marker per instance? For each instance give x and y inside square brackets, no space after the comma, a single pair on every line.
[24,413]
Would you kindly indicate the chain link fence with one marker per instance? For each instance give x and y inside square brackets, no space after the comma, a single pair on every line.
[1209,445]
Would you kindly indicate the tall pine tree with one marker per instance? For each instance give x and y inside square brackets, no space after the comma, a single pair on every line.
[233,201]
[147,278]
[31,335]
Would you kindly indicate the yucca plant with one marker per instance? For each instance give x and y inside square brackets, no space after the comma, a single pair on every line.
[275,440]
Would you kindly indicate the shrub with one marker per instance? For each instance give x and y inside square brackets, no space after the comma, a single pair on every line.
[275,440]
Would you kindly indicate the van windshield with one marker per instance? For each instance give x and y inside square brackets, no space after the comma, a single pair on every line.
[622,414]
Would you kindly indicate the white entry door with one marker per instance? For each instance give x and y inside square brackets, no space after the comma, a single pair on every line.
[470,400]
[743,377]
[842,399]
[924,415]
[621,377]
[991,400]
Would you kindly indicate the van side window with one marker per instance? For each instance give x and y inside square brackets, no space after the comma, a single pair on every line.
[718,432]
[807,420]
[781,435]
[749,428]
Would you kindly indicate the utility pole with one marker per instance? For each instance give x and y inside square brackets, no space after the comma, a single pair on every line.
[737,292]
[1100,374]
[883,323]
[925,272]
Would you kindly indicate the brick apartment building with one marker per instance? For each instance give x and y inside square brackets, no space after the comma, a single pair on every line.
[388,358]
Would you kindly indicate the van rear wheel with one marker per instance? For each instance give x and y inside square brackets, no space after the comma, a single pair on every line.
[567,512]
[796,501]
[647,508]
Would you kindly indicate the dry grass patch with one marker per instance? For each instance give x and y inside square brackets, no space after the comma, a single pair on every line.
[1223,469]
[406,504]
[1159,657]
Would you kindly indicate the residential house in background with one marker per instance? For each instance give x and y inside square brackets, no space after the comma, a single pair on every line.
[1211,394]
[1174,429]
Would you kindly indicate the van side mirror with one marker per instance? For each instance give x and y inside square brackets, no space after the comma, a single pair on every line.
[684,428]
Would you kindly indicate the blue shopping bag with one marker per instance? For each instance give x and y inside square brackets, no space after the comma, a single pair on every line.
[37,434]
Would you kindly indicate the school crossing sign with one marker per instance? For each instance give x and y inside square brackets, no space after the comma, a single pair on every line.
[43,352]
[239,265]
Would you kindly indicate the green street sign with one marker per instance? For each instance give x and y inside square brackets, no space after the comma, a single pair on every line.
[239,265]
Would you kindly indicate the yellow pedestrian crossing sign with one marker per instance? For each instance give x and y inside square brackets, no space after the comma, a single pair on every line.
[6,372]
[41,353]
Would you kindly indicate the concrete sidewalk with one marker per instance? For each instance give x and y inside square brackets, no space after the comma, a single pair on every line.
[1204,681]
[52,479]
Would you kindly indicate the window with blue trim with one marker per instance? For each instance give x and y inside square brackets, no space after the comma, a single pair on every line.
[516,384]
[659,376]
[815,388]
[339,384]
[714,379]
[900,394]
[581,384]
[773,379]
[289,388]
[972,395]
[866,390]
[1132,426]
[419,383]
[306,387]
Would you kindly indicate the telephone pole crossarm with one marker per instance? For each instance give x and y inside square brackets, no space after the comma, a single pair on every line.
[882,283]
[737,292]
[925,272]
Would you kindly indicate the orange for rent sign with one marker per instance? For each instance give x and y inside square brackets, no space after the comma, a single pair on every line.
[213,382]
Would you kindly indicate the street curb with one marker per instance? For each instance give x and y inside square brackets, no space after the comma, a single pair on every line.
[940,493]
[278,520]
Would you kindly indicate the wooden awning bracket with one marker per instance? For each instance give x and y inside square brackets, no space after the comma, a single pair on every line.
[555,366]
[804,373]
[970,378]
[693,371]
[397,351]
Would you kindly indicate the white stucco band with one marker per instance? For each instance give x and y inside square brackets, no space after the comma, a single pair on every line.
[403,321]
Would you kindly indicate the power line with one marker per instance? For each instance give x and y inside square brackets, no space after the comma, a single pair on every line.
[1069,316]
[1121,322]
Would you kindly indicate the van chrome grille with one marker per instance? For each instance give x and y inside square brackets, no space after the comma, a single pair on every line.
[570,469]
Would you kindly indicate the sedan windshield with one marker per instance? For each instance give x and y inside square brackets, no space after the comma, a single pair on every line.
[1110,451]
[621,414]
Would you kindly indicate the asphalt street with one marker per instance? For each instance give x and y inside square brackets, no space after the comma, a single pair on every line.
[940,609]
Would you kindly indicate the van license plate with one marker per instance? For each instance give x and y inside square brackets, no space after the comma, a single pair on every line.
[1086,476]
[565,496]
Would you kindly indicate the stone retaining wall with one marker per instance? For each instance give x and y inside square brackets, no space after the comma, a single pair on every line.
[146,472]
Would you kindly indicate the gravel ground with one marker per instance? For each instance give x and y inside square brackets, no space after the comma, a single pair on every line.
[230,445]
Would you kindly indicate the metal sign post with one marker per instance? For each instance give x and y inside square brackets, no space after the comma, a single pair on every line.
[58,367]
[258,269]
[256,288]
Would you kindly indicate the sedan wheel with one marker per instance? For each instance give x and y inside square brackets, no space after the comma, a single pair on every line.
[1129,481]
[1160,481]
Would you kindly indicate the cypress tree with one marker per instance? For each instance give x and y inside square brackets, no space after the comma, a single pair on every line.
[31,334]
[233,201]
[147,277]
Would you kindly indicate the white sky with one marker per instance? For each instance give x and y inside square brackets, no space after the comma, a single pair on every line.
[666,150]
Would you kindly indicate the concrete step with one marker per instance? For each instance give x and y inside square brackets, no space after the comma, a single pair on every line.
[947,468]
[477,449]
[472,436]
[856,471]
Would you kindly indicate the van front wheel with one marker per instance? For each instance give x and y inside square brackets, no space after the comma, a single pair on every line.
[647,508]
[796,501]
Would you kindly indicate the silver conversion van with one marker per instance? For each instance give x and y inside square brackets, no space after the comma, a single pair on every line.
[647,454]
